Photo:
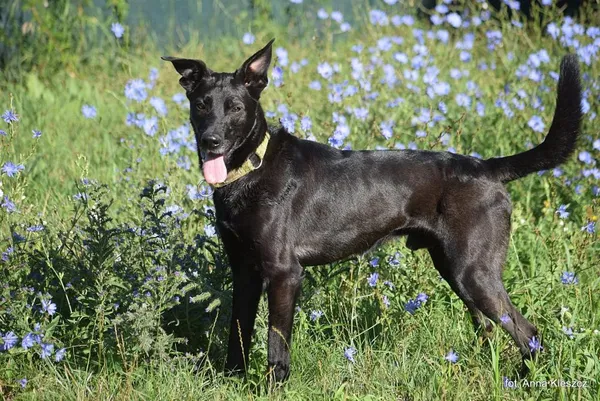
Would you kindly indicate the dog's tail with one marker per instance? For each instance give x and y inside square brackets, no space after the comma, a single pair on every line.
[562,137]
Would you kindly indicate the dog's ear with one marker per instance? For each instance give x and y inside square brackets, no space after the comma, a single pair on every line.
[191,71]
[253,72]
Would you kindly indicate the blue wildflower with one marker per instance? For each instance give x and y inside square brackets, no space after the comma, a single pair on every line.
[282,56]
[49,307]
[6,254]
[117,29]
[315,315]
[325,70]
[535,344]
[568,331]
[184,162]
[389,284]
[10,116]
[590,227]
[80,196]
[463,100]
[179,98]
[454,20]
[277,75]
[553,30]
[248,38]
[411,306]
[480,109]
[23,382]
[569,278]
[562,211]
[288,122]
[372,280]
[11,169]
[337,16]
[386,128]
[378,17]
[360,113]
[441,89]
[349,354]
[35,228]
[407,20]
[46,350]
[586,157]
[150,126]
[452,356]
[536,124]
[135,89]
[305,123]
[17,237]
[153,75]
[209,230]
[322,14]
[88,111]
[442,35]
[36,133]
[401,58]
[513,4]
[60,354]
[159,105]
[30,340]
[9,340]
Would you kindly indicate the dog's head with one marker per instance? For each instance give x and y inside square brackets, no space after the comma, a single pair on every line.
[224,107]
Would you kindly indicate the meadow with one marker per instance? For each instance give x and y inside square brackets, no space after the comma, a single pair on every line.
[113,281]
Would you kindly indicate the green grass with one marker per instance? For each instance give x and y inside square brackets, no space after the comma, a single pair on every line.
[399,356]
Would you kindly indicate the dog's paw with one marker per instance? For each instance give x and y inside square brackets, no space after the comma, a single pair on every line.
[278,371]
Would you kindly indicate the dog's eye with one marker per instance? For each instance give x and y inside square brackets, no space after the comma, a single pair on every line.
[237,108]
[201,106]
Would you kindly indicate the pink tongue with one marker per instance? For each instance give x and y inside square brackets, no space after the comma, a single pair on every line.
[214,170]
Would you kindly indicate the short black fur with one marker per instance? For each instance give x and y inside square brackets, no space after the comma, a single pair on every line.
[311,204]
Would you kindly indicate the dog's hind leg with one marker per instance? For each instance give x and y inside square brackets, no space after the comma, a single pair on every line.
[473,255]
[481,288]
[481,323]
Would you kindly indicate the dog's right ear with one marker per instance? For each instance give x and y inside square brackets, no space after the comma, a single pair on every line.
[191,71]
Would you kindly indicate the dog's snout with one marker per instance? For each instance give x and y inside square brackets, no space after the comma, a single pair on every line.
[211,142]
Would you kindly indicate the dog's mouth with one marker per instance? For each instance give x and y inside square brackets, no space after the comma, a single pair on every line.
[213,167]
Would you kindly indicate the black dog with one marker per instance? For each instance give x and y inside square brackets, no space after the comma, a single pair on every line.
[283,203]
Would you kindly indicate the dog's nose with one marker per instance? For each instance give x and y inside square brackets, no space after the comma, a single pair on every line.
[211,142]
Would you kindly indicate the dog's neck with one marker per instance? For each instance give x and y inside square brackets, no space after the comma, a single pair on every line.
[247,148]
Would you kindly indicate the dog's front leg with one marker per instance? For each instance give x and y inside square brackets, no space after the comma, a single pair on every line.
[247,288]
[283,291]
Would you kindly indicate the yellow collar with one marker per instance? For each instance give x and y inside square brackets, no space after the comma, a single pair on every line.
[247,167]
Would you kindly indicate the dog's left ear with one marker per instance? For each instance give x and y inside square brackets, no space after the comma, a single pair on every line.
[253,72]
[191,71]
